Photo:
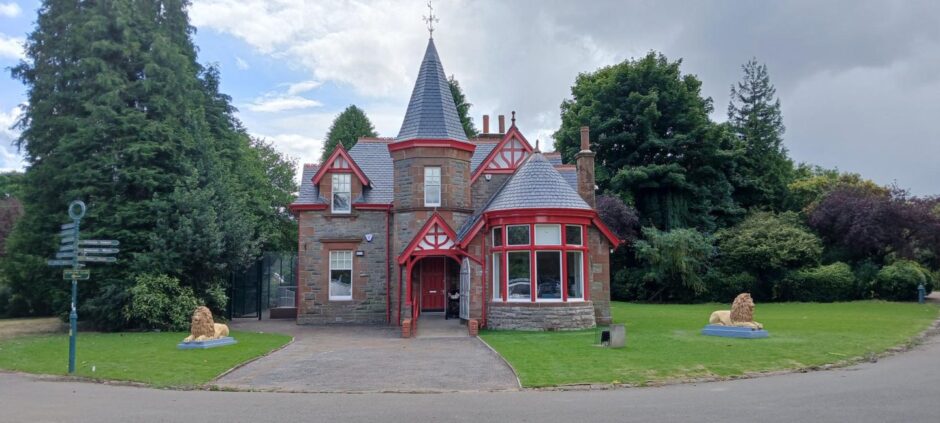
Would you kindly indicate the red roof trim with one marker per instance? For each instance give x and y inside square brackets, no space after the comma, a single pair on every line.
[435,219]
[575,215]
[328,164]
[513,130]
[472,234]
[609,234]
[445,143]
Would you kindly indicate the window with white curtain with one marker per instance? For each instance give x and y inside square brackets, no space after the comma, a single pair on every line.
[432,186]
[342,193]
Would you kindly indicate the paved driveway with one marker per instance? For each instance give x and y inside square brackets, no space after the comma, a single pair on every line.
[371,359]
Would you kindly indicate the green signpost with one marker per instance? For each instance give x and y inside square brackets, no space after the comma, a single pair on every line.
[72,254]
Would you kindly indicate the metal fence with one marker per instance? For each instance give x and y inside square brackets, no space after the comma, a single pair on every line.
[270,282]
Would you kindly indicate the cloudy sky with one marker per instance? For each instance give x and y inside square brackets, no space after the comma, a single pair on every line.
[859,81]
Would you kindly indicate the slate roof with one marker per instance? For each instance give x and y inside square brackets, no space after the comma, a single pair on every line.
[308,193]
[431,113]
[537,184]
[373,158]
[554,158]
[570,174]
[483,149]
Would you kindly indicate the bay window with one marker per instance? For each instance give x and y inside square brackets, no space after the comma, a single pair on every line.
[497,276]
[519,285]
[517,235]
[575,274]
[541,262]
[548,275]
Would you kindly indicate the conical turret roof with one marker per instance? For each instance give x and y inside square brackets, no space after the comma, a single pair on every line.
[537,185]
[431,113]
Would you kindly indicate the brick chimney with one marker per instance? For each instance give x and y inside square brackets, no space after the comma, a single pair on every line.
[486,124]
[585,167]
[502,124]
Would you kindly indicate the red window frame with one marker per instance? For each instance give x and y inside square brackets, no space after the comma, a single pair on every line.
[531,248]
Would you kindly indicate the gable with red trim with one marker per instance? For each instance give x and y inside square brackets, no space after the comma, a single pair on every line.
[506,157]
[340,162]
[435,237]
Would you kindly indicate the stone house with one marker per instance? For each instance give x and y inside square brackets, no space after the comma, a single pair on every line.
[395,228]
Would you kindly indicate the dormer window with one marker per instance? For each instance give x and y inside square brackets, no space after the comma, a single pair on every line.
[342,192]
[432,186]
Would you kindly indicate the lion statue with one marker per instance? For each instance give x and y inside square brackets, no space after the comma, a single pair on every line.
[203,328]
[741,314]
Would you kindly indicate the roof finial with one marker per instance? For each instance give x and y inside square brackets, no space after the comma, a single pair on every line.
[537,146]
[430,19]
[513,118]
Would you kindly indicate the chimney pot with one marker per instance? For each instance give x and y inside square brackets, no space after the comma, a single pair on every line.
[486,124]
[502,124]
[585,138]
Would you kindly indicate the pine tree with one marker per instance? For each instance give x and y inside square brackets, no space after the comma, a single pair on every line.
[755,117]
[347,128]
[463,107]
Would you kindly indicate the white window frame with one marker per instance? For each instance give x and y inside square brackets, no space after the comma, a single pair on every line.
[347,256]
[539,241]
[509,298]
[497,271]
[561,277]
[580,231]
[580,274]
[431,180]
[340,181]
[528,229]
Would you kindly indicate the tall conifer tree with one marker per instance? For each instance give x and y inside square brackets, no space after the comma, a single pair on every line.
[121,115]
[754,115]
[347,128]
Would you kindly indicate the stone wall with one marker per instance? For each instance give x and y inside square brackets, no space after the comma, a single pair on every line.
[409,167]
[320,233]
[540,316]
[482,189]
[599,274]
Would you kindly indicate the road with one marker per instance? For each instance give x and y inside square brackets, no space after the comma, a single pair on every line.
[902,388]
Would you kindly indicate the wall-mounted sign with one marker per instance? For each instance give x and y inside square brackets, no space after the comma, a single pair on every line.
[360,253]
[369,237]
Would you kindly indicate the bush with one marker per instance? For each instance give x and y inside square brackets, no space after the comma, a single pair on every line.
[723,287]
[899,281]
[673,262]
[4,299]
[768,246]
[832,282]
[158,302]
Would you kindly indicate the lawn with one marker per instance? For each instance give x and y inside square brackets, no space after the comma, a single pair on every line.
[664,344]
[149,357]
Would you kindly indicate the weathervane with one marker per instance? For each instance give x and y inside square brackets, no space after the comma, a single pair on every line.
[430,19]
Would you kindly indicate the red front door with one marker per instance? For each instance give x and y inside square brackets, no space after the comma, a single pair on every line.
[432,283]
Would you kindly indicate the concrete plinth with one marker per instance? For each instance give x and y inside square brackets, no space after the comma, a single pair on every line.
[734,332]
[201,345]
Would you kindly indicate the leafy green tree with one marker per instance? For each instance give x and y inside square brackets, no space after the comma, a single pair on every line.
[812,183]
[347,128]
[899,281]
[463,107]
[122,116]
[655,145]
[673,263]
[11,184]
[768,245]
[764,170]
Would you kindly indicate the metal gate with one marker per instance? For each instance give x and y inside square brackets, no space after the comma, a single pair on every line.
[465,289]
[269,283]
